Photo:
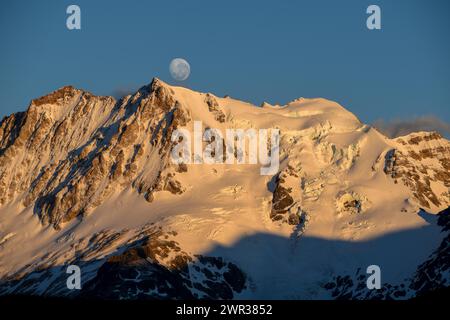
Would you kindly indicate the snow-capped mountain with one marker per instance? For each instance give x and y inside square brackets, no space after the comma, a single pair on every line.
[87,180]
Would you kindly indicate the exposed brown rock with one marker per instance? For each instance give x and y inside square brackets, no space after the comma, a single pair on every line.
[414,170]
[63,93]
[213,107]
[160,269]
[85,162]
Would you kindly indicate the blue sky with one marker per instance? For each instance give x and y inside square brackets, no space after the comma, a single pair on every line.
[256,51]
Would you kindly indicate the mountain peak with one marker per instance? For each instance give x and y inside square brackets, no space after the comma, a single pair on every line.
[158,83]
[54,97]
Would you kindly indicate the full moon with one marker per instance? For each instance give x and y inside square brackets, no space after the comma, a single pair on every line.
[179,69]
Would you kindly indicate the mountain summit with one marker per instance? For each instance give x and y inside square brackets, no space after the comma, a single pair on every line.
[88,180]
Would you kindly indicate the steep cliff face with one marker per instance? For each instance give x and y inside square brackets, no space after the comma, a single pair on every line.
[69,150]
[89,180]
[422,162]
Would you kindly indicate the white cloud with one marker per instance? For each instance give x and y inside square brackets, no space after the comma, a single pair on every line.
[399,127]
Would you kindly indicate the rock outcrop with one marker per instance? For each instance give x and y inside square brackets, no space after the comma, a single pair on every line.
[420,161]
[159,269]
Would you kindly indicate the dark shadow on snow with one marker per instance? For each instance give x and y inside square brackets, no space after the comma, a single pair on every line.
[271,267]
